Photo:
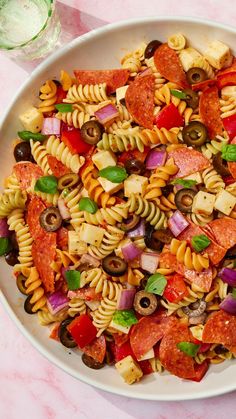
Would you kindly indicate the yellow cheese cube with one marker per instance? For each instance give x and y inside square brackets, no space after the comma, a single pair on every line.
[148,355]
[129,370]
[225,202]
[135,184]
[203,203]
[228,92]
[120,93]
[75,245]
[119,328]
[91,234]
[195,176]
[108,186]
[103,159]
[188,56]
[32,120]
[218,55]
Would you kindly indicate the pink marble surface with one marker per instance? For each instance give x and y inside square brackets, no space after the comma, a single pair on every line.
[30,387]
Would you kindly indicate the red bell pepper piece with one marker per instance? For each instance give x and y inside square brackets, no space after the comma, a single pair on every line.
[175,289]
[146,367]
[169,117]
[228,180]
[204,347]
[200,371]
[74,141]
[227,79]
[229,69]
[230,125]
[123,351]
[54,332]
[96,349]
[133,154]
[61,94]
[82,330]
[203,85]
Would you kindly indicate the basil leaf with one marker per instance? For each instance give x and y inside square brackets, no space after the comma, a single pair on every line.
[184,182]
[188,348]
[47,184]
[4,245]
[115,174]
[156,284]
[178,93]
[73,279]
[87,204]
[28,135]
[229,152]
[124,317]
[200,242]
[64,107]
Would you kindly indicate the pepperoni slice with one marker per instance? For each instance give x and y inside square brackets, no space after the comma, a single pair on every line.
[174,360]
[87,294]
[57,168]
[25,172]
[96,349]
[188,161]
[231,164]
[113,78]
[139,99]
[169,65]
[144,335]
[44,253]
[224,231]
[209,108]
[35,208]
[220,328]
[203,85]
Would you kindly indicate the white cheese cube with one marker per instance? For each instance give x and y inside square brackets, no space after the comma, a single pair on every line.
[188,56]
[75,245]
[119,327]
[120,93]
[103,159]
[32,120]
[225,202]
[228,92]
[135,184]
[197,331]
[218,55]
[203,203]
[195,176]
[129,370]
[148,355]
[108,186]
[91,234]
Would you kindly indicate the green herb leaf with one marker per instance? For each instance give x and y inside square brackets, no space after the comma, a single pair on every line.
[124,317]
[73,279]
[156,284]
[188,348]
[87,204]
[200,242]
[47,184]
[4,245]
[184,182]
[229,152]
[64,107]
[28,135]
[234,292]
[115,174]
[178,93]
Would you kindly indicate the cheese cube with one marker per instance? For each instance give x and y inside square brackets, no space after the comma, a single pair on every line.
[188,56]
[195,176]
[225,202]
[120,93]
[103,159]
[218,55]
[119,328]
[32,120]
[228,92]
[108,186]
[129,370]
[148,355]
[135,184]
[91,234]
[75,245]
[203,203]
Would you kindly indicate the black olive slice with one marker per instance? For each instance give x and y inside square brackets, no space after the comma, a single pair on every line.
[197,310]
[220,165]
[92,363]
[196,75]
[114,265]
[164,235]
[195,134]
[184,199]
[231,253]
[167,190]
[50,219]
[22,152]
[220,349]
[67,181]
[145,303]
[91,132]
[192,98]
[28,306]
[20,282]
[12,257]
[134,166]
[130,223]
[151,48]
[65,336]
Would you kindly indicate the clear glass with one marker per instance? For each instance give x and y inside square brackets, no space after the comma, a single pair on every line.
[29,29]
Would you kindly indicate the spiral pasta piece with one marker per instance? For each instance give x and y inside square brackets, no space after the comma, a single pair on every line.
[11,183]
[190,259]
[176,41]
[110,216]
[118,125]
[212,180]
[88,93]
[17,223]
[48,96]
[45,317]
[95,278]
[200,219]
[11,200]
[213,147]
[95,190]
[33,285]
[66,258]
[231,188]
[72,202]
[102,317]
[76,306]
[159,80]
[58,149]
[39,153]
[124,114]
[111,290]
[147,210]
[110,241]
[75,118]
[51,199]
[192,297]
[227,107]
[167,203]
[156,365]
[133,60]
[159,180]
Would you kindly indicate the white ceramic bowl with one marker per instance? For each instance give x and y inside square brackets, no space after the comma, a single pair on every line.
[102,49]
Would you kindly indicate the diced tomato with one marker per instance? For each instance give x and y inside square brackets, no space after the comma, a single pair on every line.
[57,168]
[200,371]
[204,347]
[82,330]
[62,238]
[134,154]
[54,332]
[96,349]
[230,125]
[146,367]
[61,94]
[229,69]
[175,289]
[203,85]
[228,180]
[227,79]
[73,139]
[169,118]
[123,351]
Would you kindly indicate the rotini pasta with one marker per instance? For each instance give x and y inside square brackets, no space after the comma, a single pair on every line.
[17,223]
[48,96]
[147,210]
[11,200]
[159,179]
[58,149]
[212,180]
[93,187]
[192,297]
[111,239]
[190,259]
[33,286]
[75,118]
[76,306]
[88,93]
[176,41]
[103,315]
[39,153]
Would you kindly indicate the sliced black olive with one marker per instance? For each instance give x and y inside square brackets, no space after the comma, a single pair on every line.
[130,223]
[196,75]
[114,265]
[151,48]
[12,257]
[167,190]
[67,181]
[57,82]
[22,152]
[155,239]
[134,166]
[65,336]
[184,199]
[231,253]
[164,235]
[220,349]
[50,219]
[92,363]
[195,310]
[143,283]
[14,242]
[28,306]
[122,101]
[145,303]
[20,282]
[192,98]
[220,165]
[91,132]
[195,134]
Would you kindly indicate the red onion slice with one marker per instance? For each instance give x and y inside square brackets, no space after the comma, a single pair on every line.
[56,302]
[177,223]
[4,230]
[51,126]
[149,262]
[126,299]
[155,159]
[228,275]
[229,304]
[107,114]
[130,251]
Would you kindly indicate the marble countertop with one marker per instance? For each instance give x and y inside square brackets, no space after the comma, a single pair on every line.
[31,387]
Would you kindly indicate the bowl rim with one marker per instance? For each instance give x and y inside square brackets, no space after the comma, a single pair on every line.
[29,336]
